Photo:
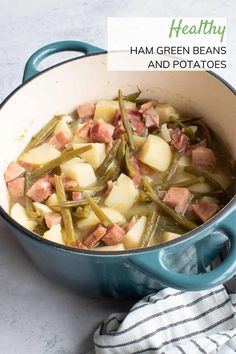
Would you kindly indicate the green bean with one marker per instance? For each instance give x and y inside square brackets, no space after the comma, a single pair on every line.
[96,189]
[82,212]
[28,201]
[43,134]
[126,122]
[150,227]
[187,130]
[142,196]
[64,157]
[131,97]
[98,211]
[108,159]
[189,119]
[156,131]
[66,214]
[141,101]
[130,168]
[186,183]
[121,152]
[76,203]
[177,217]
[147,185]
[171,169]
[202,173]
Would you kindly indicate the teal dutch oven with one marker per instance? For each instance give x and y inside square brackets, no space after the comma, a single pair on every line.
[181,264]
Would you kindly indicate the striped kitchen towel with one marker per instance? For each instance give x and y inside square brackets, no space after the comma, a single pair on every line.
[172,322]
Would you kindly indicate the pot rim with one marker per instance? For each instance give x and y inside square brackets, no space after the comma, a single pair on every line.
[187,235]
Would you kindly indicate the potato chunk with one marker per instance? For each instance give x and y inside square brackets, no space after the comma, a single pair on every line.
[92,219]
[139,140]
[122,195]
[54,234]
[95,156]
[19,214]
[79,171]
[169,236]
[106,109]
[156,153]
[134,236]
[52,201]
[40,155]
[165,110]
[41,208]
[118,247]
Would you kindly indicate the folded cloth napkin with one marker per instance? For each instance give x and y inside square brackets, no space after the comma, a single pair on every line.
[172,322]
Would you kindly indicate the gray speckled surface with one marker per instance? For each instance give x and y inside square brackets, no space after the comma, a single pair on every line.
[36,315]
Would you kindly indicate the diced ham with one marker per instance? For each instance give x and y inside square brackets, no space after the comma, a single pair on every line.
[13,171]
[95,236]
[144,169]
[59,140]
[177,198]
[179,140]
[137,178]
[119,129]
[79,244]
[53,219]
[192,147]
[86,110]
[84,131]
[76,195]
[126,227]
[137,124]
[144,107]
[16,188]
[40,190]
[204,157]
[114,235]
[205,210]
[151,118]
[101,132]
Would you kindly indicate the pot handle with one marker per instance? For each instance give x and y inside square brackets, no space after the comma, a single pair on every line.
[202,281]
[42,53]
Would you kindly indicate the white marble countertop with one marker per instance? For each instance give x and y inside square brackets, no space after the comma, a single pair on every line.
[36,315]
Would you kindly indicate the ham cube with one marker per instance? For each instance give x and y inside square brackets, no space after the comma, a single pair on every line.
[144,169]
[95,236]
[79,244]
[144,107]
[13,171]
[68,183]
[114,235]
[53,219]
[179,140]
[137,124]
[76,195]
[205,210]
[204,157]
[177,198]
[83,132]
[151,118]
[119,129]
[16,188]
[86,111]
[101,132]
[59,140]
[40,190]
[192,147]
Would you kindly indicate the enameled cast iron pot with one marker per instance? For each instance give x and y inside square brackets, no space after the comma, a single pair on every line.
[181,263]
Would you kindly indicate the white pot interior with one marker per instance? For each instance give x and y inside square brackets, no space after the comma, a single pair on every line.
[62,88]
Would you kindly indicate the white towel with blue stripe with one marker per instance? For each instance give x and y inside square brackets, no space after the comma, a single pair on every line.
[172,322]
